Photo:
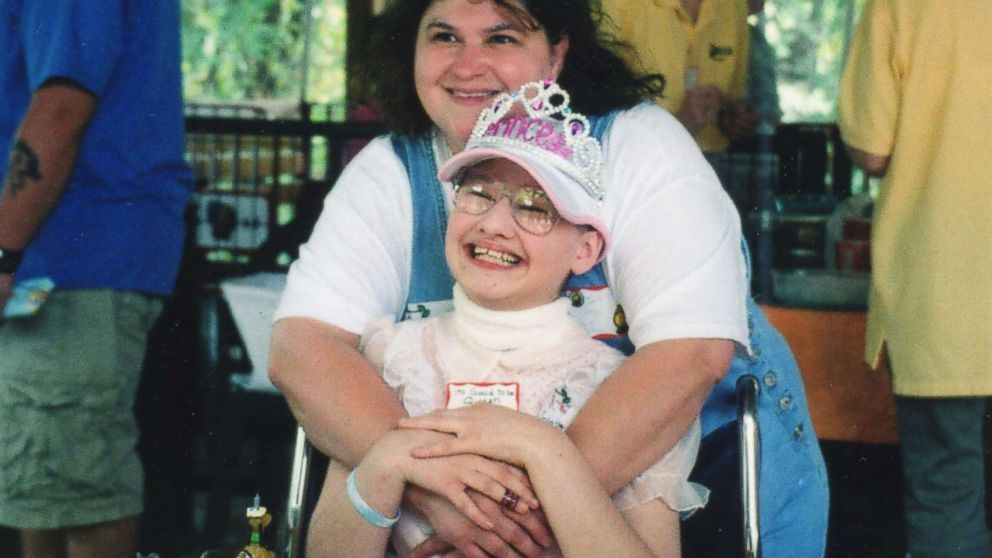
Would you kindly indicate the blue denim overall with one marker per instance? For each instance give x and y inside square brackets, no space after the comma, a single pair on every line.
[793,493]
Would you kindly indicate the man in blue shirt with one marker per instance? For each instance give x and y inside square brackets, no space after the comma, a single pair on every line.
[93,192]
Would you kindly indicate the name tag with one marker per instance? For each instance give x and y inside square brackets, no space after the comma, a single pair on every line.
[504,394]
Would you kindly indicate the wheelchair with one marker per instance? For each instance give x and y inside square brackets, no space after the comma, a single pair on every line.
[309,467]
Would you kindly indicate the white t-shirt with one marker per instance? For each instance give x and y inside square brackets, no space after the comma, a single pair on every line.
[539,361]
[675,260]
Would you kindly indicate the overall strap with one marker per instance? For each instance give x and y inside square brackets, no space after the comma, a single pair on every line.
[600,124]
[430,279]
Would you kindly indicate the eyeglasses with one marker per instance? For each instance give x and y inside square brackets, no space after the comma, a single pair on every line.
[531,208]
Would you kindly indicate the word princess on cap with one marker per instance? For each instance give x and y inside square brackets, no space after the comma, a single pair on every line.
[538,119]
[533,130]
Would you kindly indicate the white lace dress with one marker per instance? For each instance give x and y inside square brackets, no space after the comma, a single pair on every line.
[548,364]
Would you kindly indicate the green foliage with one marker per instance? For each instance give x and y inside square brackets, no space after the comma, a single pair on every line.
[236,50]
[810,40]
[327,56]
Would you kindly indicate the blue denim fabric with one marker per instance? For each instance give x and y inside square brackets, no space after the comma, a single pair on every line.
[794,495]
[430,279]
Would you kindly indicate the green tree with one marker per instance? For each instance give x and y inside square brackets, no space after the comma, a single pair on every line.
[810,41]
[237,50]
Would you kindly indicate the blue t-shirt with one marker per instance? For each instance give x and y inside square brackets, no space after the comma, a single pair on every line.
[119,223]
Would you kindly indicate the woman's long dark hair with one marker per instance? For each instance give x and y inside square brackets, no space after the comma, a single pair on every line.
[596,77]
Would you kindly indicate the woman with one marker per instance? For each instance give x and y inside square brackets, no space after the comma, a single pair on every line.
[675,264]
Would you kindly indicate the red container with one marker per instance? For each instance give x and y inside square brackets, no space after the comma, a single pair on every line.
[853,255]
[856,229]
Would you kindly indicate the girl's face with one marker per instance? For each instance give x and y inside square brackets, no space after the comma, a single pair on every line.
[469,51]
[502,267]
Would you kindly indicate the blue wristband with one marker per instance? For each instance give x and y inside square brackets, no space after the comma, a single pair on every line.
[366,511]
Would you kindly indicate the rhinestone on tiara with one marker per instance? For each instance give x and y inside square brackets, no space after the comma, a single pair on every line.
[537,118]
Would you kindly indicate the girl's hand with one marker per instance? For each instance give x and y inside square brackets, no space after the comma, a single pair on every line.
[515,534]
[451,477]
[487,430]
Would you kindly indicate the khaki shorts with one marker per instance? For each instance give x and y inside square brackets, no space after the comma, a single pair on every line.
[68,379]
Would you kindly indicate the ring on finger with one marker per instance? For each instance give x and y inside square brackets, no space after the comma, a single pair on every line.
[510,499]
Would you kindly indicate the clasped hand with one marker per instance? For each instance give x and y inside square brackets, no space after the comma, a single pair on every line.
[458,472]
[704,105]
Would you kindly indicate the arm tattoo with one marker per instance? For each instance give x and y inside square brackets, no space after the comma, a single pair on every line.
[23,166]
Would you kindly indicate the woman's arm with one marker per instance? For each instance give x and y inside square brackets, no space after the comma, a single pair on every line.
[677,268]
[647,405]
[584,519]
[334,392]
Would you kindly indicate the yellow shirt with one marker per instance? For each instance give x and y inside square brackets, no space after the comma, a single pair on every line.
[711,51]
[918,88]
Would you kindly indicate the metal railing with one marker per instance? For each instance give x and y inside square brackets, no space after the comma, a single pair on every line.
[259,182]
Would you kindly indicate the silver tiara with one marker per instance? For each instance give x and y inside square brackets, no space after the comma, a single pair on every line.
[546,127]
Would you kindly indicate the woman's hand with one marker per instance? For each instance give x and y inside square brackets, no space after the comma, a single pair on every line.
[487,430]
[514,535]
[452,477]
[581,515]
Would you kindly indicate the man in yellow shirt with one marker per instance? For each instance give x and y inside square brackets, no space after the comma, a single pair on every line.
[915,109]
[701,49]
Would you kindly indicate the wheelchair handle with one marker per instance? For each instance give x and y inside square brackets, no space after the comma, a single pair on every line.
[297,492]
[750,461]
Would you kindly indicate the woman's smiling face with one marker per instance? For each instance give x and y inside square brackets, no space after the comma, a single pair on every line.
[469,51]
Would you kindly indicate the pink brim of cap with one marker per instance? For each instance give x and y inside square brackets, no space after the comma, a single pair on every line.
[568,196]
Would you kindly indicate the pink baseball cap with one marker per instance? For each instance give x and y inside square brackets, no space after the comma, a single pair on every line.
[535,128]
